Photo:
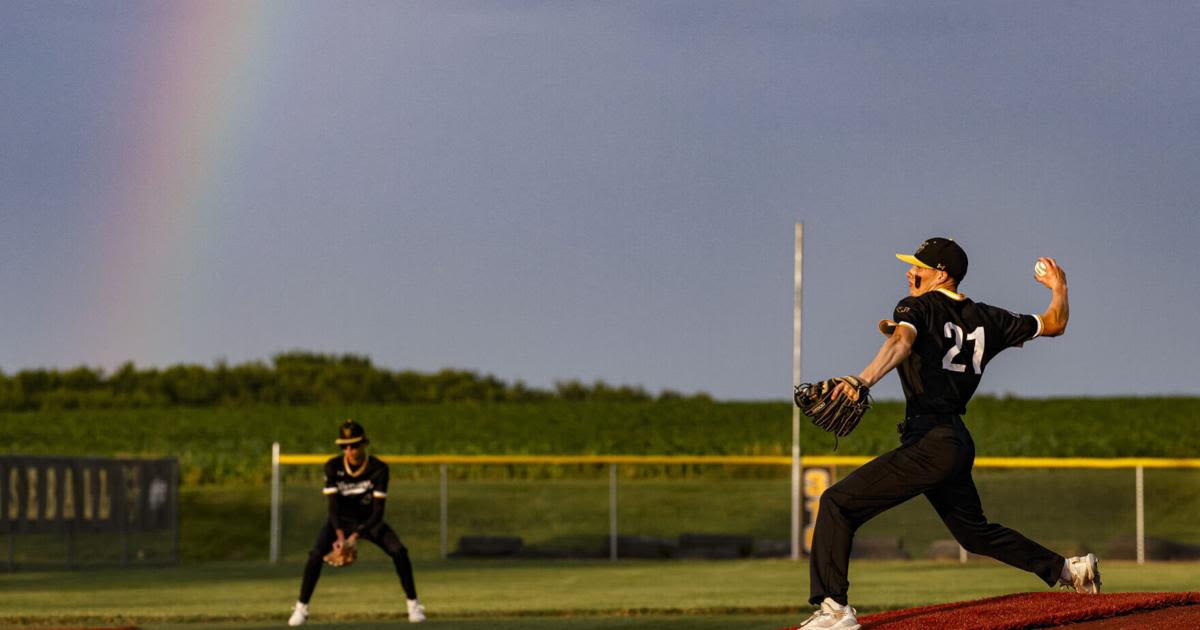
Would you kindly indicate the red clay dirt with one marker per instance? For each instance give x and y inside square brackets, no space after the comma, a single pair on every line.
[1174,617]
[1024,611]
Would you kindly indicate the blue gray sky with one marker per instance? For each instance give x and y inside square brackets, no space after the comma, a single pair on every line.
[595,190]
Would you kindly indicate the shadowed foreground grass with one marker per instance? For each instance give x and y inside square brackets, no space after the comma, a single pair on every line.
[515,595]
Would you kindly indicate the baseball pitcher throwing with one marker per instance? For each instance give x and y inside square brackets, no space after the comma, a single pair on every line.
[940,342]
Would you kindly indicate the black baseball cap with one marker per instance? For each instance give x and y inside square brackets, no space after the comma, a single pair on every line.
[351,432]
[939,253]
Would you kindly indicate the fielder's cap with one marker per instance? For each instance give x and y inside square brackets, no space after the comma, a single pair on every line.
[350,432]
[939,253]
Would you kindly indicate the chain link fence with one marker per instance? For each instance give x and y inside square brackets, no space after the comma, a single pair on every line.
[693,507]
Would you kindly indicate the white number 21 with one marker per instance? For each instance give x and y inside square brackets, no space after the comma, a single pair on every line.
[976,336]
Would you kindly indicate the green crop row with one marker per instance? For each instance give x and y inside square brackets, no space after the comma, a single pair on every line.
[232,444]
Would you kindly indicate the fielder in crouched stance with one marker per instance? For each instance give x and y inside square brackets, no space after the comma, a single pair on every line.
[356,485]
[940,343]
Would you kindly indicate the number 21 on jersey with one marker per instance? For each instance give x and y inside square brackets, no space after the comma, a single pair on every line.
[975,337]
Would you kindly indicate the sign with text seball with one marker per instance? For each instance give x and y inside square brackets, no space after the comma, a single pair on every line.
[82,495]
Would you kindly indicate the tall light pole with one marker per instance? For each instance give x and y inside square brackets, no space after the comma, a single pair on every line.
[798,279]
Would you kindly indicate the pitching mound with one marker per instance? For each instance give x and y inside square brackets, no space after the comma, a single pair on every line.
[1043,610]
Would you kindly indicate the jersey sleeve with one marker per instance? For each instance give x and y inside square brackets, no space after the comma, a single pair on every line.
[1016,328]
[330,486]
[380,482]
[912,313]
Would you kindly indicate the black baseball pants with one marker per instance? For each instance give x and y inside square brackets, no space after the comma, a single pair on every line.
[935,459]
[382,535]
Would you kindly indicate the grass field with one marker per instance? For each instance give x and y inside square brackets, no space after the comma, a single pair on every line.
[511,595]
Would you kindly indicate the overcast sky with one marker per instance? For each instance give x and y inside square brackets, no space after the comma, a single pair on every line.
[595,190]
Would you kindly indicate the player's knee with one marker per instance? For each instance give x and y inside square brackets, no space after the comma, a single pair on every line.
[976,537]
[972,542]
[397,551]
[831,502]
[973,545]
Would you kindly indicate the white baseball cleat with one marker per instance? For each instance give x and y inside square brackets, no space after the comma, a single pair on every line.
[416,611]
[299,615]
[1085,574]
[832,616]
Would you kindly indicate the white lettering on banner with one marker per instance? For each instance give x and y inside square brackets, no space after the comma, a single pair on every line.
[158,494]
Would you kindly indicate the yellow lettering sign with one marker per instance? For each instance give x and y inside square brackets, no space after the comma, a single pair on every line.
[68,502]
[51,493]
[816,481]
[31,503]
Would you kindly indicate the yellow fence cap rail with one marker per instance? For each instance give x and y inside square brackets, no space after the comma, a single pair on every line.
[736,460]
[750,460]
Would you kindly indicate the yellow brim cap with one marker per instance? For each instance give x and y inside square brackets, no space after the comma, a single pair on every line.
[912,260]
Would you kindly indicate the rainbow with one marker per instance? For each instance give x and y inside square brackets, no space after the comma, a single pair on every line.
[196,70]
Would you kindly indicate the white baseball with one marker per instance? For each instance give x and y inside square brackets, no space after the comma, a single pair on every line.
[1040,268]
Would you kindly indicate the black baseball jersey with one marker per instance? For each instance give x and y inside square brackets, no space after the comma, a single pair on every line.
[956,338]
[356,489]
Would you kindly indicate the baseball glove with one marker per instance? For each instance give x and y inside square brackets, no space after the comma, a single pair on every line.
[838,416]
[343,555]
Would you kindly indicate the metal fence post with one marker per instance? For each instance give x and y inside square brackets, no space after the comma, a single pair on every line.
[612,512]
[174,510]
[1140,491]
[10,514]
[275,499]
[444,520]
[120,513]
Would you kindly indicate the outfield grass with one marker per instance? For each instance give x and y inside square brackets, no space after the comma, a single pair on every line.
[516,595]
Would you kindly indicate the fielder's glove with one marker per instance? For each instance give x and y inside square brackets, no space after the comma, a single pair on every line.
[343,555]
[838,415]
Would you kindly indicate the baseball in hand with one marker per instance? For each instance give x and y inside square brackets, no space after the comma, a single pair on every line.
[1040,268]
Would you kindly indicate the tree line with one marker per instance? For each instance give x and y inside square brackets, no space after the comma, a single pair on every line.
[290,378]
